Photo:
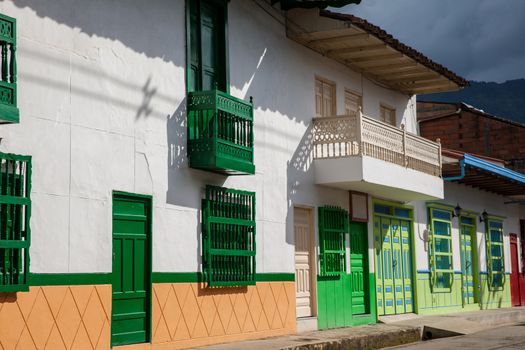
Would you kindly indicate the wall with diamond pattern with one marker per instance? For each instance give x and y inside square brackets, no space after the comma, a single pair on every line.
[56,318]
[187,314]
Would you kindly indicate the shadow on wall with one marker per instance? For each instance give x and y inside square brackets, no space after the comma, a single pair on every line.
[111,20]
[182,180]
[297,170]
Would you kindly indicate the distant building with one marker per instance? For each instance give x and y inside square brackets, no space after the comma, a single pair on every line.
[468,129]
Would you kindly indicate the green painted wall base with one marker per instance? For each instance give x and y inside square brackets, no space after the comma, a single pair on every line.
[447,302]
[334,303]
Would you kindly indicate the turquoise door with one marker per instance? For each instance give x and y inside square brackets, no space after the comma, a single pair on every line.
[131,299]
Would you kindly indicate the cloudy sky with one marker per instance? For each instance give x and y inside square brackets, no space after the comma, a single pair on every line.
[481,40]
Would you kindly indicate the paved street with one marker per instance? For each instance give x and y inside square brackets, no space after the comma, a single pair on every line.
[508,337]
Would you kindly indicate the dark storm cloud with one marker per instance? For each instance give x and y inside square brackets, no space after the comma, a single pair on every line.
[478,39]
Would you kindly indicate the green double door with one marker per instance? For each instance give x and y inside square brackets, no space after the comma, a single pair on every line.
[393,246]
[131,275]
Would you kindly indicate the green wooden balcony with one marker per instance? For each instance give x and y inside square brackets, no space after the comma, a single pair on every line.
[8,108]
[220,133]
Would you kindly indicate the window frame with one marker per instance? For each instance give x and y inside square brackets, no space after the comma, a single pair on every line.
[489,244]
[228,213]
[333,87]
[434,271]
[10,203]
[390,108]
[9,112]
[224,45]
[356,94]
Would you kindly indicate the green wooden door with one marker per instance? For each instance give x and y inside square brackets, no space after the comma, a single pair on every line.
[131,308]
[392,244]
[467,242]
[359,267]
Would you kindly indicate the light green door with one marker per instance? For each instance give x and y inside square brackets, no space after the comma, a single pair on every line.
[468,246]
[359,267]
[392,240]
[131,301]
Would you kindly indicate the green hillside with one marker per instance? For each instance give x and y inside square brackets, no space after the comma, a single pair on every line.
[506,100]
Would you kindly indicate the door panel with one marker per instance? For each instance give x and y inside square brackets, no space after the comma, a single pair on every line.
[379,266]
[131,274]
[388,267]
[407,265]
[514,277]
[303,266]
[467,263]
[359,267]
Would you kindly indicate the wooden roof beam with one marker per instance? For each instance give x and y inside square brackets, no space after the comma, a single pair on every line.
[439,82]
[356,49]
[338,39]
[403,78]
[394,68]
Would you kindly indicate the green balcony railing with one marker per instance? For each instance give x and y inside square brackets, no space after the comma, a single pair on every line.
[220,132]
[8,108]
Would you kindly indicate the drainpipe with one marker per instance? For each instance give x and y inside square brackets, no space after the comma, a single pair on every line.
[460,177]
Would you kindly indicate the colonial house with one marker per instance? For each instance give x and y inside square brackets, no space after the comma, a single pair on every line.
[182,173]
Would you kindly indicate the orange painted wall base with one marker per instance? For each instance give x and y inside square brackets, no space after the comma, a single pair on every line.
[188,314]
[183,315]
[56,317]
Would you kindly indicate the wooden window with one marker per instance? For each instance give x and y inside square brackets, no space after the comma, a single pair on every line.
[15,232]
[387,115]
[353,102]
[325,104]
[495,256]
[8,106]
[206,39]
[228,237]
[333,226]
[440,250]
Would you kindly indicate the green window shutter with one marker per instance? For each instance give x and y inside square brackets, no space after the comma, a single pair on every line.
[333,226]
[8,105]
[207,59]
[228,237]
[440,250]
[495,255]
[15,212]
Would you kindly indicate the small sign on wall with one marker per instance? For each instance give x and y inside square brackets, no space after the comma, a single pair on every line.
[358,206]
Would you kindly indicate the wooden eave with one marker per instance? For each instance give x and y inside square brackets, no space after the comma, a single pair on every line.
[372,56]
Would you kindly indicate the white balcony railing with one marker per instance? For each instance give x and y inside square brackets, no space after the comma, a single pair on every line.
[358,135]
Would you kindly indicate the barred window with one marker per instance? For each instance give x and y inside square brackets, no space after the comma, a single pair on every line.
[333,225]
[15,211]
[228,237]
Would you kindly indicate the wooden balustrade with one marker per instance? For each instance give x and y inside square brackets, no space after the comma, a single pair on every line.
[358,135]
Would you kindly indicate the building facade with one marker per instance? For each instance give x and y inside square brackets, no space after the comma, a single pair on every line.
[176,174]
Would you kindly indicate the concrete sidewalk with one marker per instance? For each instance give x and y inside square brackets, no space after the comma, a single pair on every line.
[375,336]
[391,331]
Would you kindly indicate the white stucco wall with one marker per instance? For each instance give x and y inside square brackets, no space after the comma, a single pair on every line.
[102,103]
[470,199]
